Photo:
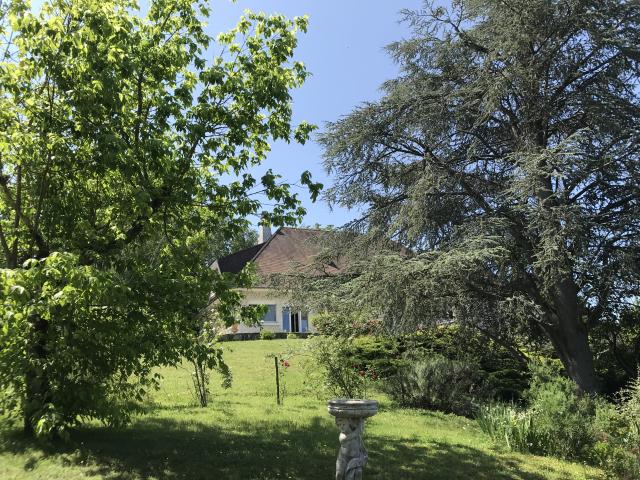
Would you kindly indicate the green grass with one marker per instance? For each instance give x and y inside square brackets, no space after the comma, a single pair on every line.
[244,435]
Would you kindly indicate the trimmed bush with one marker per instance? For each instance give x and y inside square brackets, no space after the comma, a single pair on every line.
[267,335]
[339,325]
[449,368]
[375,354]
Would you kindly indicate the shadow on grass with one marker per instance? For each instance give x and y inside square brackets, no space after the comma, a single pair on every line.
[157,448]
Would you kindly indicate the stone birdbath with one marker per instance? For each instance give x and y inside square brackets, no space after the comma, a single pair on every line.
[350,415]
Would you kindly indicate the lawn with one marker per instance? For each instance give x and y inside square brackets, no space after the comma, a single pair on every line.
[243,435]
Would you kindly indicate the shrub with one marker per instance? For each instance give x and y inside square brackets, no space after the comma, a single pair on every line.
[561,422]
[448,368]
[616,461]
[558,421]
[267,335]
[504,371]
[345,325]
[613,449]
[562,416]
[333,368]
[630,409]
[617,449]
[436,383]
[617,366]
[375,354]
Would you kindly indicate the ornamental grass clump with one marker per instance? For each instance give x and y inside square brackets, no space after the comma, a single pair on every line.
[511,426]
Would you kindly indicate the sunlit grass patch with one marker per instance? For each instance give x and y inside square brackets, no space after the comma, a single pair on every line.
[244,435]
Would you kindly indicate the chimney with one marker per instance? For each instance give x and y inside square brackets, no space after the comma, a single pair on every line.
[264,233]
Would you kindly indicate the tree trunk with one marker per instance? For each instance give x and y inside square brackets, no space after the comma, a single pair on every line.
[37,387]
[569,337]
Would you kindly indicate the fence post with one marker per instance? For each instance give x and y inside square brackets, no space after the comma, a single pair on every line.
[275,359]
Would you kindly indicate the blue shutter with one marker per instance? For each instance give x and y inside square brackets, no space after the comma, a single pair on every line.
[286,324]
[304,323]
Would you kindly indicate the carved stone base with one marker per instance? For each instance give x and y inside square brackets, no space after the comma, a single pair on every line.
[350,415]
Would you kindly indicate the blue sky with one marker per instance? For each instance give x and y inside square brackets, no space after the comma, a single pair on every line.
[344,51]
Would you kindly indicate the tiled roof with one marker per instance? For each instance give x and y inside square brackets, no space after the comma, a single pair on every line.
[236,261]
[288,249]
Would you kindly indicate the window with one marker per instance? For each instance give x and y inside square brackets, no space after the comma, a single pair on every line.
[270,316]
[295,321]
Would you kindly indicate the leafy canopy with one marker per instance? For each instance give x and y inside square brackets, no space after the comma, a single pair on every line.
[125,145]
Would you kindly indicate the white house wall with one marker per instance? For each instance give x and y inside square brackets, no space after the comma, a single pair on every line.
[263,296]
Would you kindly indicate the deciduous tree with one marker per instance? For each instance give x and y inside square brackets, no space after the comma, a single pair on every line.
[118,129]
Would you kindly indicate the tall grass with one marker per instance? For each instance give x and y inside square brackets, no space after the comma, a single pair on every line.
[513,427]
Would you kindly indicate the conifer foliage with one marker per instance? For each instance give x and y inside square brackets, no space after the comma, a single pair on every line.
[506,157]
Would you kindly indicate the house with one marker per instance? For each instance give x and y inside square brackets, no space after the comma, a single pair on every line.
[285,251]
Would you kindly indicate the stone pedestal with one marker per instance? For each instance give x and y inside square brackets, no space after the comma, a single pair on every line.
[350,415]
